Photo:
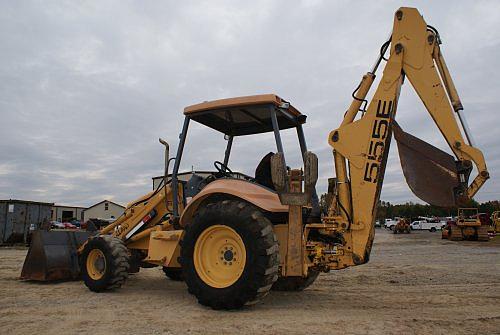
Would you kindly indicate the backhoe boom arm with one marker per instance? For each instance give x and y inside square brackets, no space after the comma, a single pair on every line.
[360,146]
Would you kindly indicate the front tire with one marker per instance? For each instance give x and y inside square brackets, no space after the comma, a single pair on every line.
[229,255]
[104,263]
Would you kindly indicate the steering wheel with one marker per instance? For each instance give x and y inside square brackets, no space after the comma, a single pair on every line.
[223,169]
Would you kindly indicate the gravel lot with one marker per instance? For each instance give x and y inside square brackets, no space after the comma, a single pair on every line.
[414,284]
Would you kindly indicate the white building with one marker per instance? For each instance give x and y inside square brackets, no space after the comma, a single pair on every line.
[103,210]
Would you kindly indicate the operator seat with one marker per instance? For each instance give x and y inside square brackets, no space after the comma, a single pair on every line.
[263,177]
[263,172]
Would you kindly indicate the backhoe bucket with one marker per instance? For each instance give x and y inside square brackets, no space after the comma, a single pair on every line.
[53,255]
[430,172]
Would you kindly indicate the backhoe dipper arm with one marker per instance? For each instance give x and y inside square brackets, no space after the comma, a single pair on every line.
[437,91]
[360,147]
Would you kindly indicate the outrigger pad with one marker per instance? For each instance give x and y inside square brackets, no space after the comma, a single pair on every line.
[53,255]
[431,173]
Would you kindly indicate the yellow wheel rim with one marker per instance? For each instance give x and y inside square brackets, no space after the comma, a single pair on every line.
[219,256]
[96,264]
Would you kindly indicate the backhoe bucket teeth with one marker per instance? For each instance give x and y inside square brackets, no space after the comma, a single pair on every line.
[430,172]
[53,255]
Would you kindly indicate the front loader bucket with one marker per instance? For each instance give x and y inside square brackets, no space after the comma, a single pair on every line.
[430,172]
[53,255]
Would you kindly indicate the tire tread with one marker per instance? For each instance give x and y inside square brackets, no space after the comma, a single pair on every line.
[259,278]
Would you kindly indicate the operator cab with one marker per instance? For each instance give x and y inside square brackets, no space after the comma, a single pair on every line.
[239,117]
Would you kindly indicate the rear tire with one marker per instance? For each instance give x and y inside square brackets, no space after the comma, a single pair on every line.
[433,230]
[295,283]
[205,255]
[104,263]
[174,274]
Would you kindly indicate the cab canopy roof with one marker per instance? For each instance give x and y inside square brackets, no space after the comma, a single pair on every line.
[245,115]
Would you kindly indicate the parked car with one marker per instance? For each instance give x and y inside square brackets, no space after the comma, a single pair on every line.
[430,225]
[76,223]
[68,225]
[97,223]
[56,225]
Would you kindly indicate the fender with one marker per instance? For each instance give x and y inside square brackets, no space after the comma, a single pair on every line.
[255,194]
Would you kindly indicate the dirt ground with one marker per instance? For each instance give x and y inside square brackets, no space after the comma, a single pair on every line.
[413,284]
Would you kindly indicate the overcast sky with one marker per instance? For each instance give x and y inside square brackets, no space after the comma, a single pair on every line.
[86,88]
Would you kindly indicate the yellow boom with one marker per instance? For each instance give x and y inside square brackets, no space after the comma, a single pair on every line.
[360,147]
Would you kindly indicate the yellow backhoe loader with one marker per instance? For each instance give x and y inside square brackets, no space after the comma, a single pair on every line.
[233,237]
